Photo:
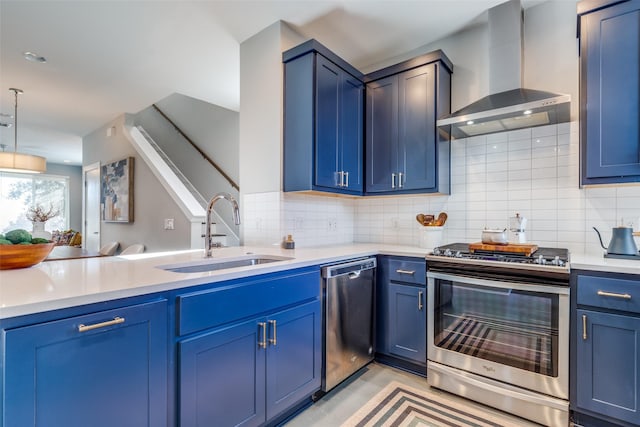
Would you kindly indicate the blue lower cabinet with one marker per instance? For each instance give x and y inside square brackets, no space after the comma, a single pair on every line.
[294,356]
[251,372]
[401,312]
[103,369]
[407,313]
[222,377]
[608,365]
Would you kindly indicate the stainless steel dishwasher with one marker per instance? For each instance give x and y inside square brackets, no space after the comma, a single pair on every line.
[348,291]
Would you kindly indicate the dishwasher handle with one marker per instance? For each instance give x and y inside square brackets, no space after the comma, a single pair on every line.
[351,268]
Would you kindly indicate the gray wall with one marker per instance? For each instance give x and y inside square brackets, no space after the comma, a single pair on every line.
[213,129]
[152,203]
[75,191]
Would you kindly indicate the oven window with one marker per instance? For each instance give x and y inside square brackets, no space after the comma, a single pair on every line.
[507,326]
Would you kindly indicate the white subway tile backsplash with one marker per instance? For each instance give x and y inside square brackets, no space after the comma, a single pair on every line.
[497,138]
[544,141]
[544,151]
[520,175]
[519,134]
[543,131]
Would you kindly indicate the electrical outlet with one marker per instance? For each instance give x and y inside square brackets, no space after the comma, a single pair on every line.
[332,224]
[169,224]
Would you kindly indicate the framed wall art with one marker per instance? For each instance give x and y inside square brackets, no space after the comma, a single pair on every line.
[117,191]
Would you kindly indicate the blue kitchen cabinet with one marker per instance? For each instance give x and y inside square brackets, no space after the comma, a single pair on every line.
[606,369]
[101,369]
[222,377]
[323,113]
[402,312]
[609,34]
[252,349]
[405,153]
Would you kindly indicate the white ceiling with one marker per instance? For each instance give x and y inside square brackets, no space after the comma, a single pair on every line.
[105,58]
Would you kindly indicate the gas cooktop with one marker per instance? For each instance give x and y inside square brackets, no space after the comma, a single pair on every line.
[541,259]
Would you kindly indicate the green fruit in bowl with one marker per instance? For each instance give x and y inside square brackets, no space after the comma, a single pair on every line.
[5,242]
[38,240]
[18,236]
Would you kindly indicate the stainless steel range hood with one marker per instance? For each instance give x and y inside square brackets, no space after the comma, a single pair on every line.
[509,106]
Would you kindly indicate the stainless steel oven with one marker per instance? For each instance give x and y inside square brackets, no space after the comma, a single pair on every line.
[498,333]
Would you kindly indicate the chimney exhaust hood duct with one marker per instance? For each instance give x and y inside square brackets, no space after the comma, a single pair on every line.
[509,106]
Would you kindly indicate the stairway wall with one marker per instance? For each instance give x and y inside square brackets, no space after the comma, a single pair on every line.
[213,129]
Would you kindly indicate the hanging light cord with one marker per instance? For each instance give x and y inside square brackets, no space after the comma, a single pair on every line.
[15,118]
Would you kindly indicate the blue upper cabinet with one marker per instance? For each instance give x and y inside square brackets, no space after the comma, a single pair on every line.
[609,91]
[323,113]
[405,153]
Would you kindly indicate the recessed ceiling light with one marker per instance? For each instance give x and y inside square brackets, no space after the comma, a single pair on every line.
[34,57]
[470,122]
[67,161]
[527,112]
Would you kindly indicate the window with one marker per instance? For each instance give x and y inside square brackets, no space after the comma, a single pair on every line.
[19,192]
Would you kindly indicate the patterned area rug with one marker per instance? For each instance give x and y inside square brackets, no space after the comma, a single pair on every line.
[403,406]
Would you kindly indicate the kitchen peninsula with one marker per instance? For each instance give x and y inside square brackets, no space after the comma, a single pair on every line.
[174,337]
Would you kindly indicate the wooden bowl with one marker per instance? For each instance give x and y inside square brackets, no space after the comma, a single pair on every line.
[22,256]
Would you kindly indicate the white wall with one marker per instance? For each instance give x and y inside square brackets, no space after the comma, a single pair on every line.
[261,95]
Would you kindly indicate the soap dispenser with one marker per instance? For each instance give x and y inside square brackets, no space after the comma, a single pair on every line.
[288,243]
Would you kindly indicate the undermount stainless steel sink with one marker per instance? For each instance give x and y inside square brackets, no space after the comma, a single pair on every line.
[223,263]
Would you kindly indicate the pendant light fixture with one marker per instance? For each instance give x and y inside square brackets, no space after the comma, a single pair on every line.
[17,162]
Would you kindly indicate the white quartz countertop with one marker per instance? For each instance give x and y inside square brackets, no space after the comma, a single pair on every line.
[600,263]
[60,284]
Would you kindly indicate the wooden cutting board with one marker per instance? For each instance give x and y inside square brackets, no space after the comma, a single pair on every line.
[513,248]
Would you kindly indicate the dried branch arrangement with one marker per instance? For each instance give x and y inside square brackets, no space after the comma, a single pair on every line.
[38,214]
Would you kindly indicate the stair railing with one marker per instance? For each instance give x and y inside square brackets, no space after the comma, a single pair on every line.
[202,153]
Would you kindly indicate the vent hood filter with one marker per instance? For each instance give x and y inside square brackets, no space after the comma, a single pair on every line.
[510,110]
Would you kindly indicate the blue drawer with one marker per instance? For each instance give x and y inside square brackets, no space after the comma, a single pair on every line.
[240,300]
[614,294]
[408,270]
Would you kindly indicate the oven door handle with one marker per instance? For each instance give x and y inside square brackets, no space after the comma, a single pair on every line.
[520,286]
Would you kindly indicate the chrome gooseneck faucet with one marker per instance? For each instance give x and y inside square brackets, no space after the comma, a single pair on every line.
[236,219]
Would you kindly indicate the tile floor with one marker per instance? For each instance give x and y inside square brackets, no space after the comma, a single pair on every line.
[341,402]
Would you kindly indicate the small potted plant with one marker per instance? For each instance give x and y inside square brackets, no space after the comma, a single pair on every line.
[38,216]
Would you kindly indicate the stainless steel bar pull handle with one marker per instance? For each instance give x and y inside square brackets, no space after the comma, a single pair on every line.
[262,342]
[584,327]
[115,321]
[420,293]
[340,178]
[409,272]
[613,295]
[393,180]
[400,180]
[273,328]
[346,179]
